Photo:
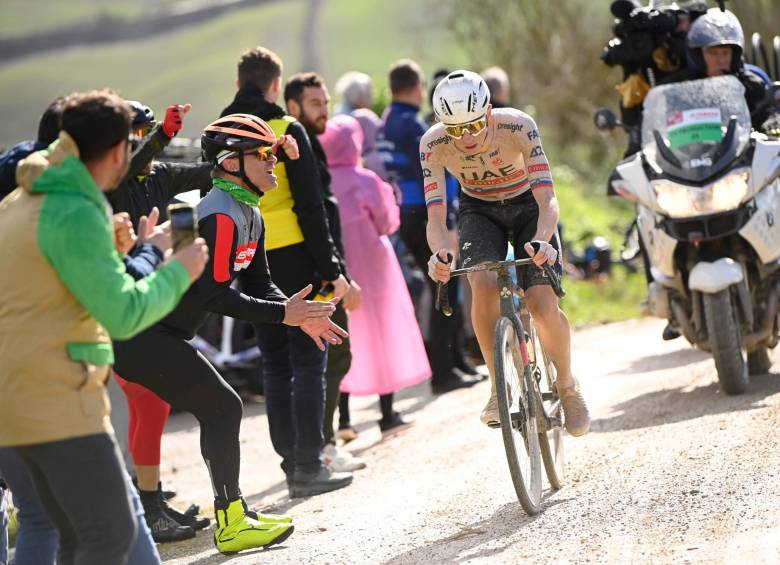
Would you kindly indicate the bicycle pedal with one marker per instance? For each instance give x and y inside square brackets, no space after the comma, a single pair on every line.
[494,425]
[549,396]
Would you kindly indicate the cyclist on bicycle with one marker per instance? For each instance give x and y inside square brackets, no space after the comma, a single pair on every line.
[507,193]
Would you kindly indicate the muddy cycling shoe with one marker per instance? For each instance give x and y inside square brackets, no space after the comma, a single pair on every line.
[318,482]
[576,418]
[489,414]
[237,531]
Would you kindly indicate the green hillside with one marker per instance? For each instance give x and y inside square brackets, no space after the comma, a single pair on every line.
[198,65]
[15,17]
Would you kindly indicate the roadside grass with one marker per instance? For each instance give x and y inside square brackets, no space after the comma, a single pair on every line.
[587,212]
[593,302]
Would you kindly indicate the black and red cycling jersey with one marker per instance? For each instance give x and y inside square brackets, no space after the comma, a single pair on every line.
[235,235]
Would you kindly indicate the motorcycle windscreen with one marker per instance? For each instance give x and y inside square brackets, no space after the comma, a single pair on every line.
[696,129]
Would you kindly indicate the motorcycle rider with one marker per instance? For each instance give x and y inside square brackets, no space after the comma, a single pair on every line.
[715,47]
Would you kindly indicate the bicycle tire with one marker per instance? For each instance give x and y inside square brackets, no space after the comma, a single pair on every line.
[521,442]
[550,441]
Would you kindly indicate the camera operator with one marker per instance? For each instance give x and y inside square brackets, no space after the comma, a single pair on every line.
[649,46]
[715,45]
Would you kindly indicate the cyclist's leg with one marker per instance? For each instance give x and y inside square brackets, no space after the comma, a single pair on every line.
[552,323]
[171,368]
[555,334]
[481,238]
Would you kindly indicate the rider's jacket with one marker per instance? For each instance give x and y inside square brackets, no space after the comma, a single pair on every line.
[512,163]
[235,234]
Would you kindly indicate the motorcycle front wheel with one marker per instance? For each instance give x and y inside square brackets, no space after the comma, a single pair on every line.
[725,340]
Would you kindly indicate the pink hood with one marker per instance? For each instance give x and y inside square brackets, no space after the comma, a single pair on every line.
[343,141]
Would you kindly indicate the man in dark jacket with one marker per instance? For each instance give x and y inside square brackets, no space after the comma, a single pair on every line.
[152,183]
[401,135]
[307,99]
[300,251]
[48,129]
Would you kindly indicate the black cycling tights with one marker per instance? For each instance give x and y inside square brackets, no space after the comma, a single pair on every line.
[170,367]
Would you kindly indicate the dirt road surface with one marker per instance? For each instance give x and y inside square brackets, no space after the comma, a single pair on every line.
[673,471]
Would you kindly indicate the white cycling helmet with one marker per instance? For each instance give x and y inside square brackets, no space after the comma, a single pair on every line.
[460,97]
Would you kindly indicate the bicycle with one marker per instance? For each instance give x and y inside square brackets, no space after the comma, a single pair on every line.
[529,408]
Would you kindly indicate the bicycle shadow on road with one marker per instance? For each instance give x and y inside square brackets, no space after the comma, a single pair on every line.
[679,404]
[461,546]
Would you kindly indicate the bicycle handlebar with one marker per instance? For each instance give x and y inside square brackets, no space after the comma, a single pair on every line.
[442,298]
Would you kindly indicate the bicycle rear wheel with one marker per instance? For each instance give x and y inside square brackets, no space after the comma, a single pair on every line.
[550,433]
[518,423]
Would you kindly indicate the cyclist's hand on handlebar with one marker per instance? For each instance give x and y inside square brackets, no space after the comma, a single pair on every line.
[298,310]
[545,252]
[440,265]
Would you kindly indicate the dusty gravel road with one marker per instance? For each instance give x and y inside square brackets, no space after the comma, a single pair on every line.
[672,471]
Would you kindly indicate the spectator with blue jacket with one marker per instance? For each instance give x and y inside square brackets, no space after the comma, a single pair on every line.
[403,129]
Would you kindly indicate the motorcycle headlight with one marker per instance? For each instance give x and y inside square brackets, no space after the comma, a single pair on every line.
[680,201]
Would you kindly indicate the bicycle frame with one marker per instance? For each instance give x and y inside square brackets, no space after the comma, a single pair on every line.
[507,309]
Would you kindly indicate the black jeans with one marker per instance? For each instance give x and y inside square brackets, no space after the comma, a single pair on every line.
[81,484]
[294,381]
[162,361]
[444,332]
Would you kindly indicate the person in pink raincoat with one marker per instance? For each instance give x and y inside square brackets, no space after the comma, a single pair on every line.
[388,353]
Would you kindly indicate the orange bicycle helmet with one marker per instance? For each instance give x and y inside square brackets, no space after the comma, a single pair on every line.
[232,136]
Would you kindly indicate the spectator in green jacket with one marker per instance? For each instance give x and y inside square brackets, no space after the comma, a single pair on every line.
[65,295]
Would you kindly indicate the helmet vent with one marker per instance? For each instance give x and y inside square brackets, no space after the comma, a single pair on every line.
[456,75]
[468,104]
[447,106]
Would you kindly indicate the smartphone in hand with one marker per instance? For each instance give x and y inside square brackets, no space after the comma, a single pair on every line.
[184,225]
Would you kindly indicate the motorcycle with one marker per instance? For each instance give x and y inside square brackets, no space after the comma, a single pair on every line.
[707,192]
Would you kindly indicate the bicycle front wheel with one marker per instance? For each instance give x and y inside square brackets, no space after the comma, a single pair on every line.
[518,423]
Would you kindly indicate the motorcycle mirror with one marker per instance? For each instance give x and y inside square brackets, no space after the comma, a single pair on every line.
[605,119]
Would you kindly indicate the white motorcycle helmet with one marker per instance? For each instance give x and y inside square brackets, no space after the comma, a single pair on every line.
[461,97]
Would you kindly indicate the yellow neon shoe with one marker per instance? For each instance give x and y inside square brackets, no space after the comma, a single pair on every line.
[237,531]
